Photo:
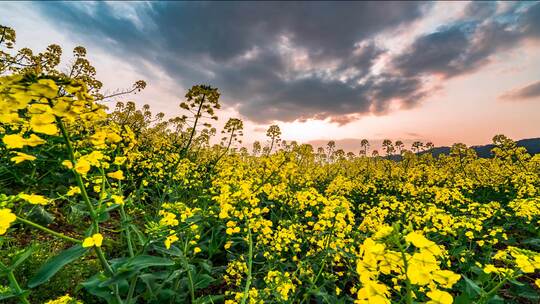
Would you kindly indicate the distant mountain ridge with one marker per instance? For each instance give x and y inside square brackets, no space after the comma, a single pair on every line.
[531,144]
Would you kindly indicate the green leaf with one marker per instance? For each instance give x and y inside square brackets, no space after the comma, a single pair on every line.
[76,213]
[534,242]
[205,266]
[173,251]
[22,257]
[140,236]
[495,300]
[202,281]
[145,261]
[125,269]
[515,282]
[39,215]
[166,294]
[3,268]
[210,299]
[54,264]
[472,286]
[103,216]
[526,291]
[153,280]
[119,277]
[5,296]
[92,285]
[463,298]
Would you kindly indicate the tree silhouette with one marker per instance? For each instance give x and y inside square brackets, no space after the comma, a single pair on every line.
[365,145]
[274,134]
[388,147]
[399,146]
[200,100]
[234,127]
[416,146]
[256,147]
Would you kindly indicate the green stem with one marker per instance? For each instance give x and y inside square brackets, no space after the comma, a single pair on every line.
[325,253]
[250,266]
[103,261]
[88,203]
[132,285]
[47,230]
[133,281]
[78,177]
[186,149]
[485,297]
[409,298]
[13,282]
[126,229]
[188,270]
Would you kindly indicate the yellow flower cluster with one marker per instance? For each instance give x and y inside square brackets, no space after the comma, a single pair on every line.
[527,208]
[281,283]
[34,199]
[93,241]
[291,226]
[6,218]
[385,254]
[65,299]
[236,271]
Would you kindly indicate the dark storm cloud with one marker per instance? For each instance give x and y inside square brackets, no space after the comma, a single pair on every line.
[527,92]
[286,60]
[465,46]
[531,21]
[212,43]
[480,9]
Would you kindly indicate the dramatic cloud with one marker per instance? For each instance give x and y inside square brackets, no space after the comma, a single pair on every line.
[274,61]
[528,92]
[480,10]
[295,61]
[465,46]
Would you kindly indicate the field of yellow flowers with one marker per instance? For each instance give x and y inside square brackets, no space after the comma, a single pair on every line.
[117,205]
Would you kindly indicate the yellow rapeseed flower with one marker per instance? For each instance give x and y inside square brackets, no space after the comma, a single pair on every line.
[66,299]
[17,141]
[170,240]
[44,88]
[446,278]
[34,199]
[118,199]
[82,166]
[94,240]
[22,157]
[439,297]
[68,164]
[6,218]
[34,140]
[73,190]
[44,123]
[119,175]
[13,141]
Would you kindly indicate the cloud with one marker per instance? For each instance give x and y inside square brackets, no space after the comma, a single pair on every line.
[480,10]
[468,44]
[530,91]
[531,21]
[291,61]
[272,61]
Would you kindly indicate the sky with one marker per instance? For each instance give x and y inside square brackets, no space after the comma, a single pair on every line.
[443,72]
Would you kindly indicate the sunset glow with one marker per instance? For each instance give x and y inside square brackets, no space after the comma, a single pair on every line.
[460,87]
